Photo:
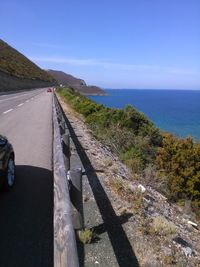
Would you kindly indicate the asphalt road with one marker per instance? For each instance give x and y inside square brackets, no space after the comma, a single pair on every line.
[26,212]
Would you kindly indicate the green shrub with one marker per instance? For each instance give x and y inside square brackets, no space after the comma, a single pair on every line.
[126,131]
[179,163]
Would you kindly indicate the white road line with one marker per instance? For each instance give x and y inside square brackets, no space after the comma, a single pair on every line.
[20,105]
[12,97]
[27,101]
[7,111]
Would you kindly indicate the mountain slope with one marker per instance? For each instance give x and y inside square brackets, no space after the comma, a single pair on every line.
[18,72]
[16,64]
[78,84]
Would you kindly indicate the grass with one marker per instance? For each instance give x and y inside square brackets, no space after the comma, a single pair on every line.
[118,186]
[135,198]
[138,201]
[85,236]
[162,226]
[108,162]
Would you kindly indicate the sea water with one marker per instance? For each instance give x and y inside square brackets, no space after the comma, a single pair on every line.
[175,111]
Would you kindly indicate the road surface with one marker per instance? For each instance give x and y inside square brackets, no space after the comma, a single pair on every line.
[26,212]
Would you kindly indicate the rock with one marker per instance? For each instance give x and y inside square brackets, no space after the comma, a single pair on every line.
[119,206]
[132,187]
[167,251]
[149,199]
[151,209]
[86,198]
[167,212]
[193,224]
[142,188]
[187,251]
[184,245]
[135,188]
[181,241]
[129,205]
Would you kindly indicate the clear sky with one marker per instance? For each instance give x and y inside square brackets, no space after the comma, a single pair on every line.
[110,43]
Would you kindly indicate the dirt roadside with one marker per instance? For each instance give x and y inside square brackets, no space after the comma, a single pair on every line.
[126,233]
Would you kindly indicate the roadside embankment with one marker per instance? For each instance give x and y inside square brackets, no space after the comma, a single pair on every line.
[131,221]
[9,82]
[172,163]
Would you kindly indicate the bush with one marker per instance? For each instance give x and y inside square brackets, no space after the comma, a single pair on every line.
[133,159]
[179,163]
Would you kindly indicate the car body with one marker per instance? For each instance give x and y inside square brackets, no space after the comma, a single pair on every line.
[7,163]
[49,90]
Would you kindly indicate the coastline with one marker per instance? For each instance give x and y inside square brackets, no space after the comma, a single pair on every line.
[95,94]
[175,111]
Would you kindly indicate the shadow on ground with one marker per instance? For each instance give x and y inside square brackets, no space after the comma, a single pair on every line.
[112,223]
[26,220]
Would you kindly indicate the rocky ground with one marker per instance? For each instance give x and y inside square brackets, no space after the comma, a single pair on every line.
[133,224]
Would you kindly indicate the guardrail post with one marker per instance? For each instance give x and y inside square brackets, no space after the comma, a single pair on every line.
[62,126]
[59,115]
[66,150]
[75,176]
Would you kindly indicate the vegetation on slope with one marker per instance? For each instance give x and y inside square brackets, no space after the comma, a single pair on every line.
[14,63]
[178,162]
[129,133]
[173,164]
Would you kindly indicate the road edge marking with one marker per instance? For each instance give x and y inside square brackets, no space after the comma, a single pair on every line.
[7,111]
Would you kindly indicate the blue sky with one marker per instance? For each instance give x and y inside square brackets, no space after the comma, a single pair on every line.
[113,44]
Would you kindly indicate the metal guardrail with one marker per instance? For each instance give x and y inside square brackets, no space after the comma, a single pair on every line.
[67,194]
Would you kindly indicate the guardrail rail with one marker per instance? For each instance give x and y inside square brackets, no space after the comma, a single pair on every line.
[65,220]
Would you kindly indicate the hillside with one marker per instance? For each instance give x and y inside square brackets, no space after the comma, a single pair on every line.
[76,83]
[142,171]
[17,71]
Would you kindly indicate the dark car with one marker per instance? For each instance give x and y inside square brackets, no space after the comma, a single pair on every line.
[49,90]
[7,164]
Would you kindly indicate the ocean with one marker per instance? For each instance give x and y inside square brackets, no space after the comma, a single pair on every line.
[175,111]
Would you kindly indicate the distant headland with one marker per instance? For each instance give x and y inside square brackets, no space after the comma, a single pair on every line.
[75,83]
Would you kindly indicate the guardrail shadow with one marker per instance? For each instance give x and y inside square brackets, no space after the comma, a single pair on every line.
[26,219]
[112,225]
